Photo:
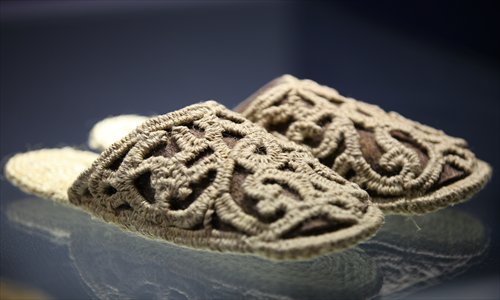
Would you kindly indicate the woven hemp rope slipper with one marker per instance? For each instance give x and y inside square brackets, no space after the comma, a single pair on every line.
[205,177]
[405,166]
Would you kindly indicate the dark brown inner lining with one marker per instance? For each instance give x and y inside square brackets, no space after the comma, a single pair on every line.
[196,131]
[110,190]
[220,225]
[287,189]
[245,103]
[167,150]
[316,226]
[406,140]
[143,186]
[231,138]
[123,207]
[315,141]
[200,156]
[286,167]
[280,127]
[372,153]
[329,159]
[197,189]
[115,164]
[247,204]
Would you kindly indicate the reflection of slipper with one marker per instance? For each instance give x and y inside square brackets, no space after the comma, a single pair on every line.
[206,177]
[164,271]
[405,166]
[444,245]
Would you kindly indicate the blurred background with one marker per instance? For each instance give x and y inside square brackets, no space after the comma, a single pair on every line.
[67,64]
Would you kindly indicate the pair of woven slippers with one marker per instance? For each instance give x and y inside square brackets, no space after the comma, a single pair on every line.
[302,171]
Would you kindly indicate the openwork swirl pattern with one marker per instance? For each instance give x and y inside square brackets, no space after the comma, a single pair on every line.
[398,161]
[206,177]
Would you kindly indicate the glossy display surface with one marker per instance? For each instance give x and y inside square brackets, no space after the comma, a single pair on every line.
[98,260]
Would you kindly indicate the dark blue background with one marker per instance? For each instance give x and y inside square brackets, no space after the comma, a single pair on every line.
[66,65]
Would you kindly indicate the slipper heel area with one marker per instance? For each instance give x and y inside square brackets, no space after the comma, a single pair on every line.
[112,129]
[48,173]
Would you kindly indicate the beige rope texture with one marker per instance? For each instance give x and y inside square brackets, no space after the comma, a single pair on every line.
[206,177]
[405,166]
[48,173]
